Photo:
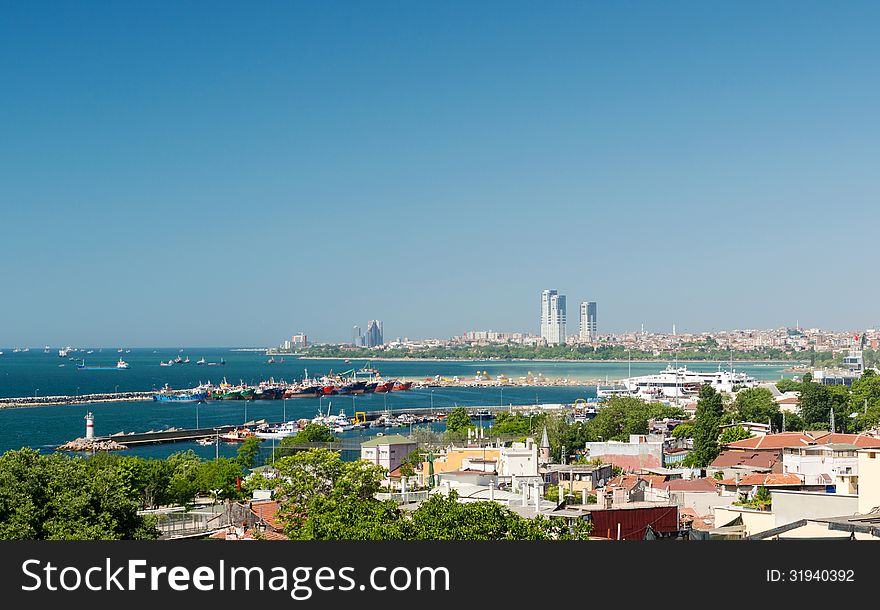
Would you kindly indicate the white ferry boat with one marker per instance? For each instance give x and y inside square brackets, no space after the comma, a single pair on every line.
[677,384]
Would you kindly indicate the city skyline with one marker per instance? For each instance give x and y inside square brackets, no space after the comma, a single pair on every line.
[183,184]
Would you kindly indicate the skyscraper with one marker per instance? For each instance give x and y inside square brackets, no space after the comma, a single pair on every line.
[589,324]
[357,338]
[375,333]
[553,317]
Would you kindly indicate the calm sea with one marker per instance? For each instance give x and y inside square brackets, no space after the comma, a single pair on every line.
[33,372]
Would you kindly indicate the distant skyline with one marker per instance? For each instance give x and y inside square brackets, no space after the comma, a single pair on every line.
[230,174]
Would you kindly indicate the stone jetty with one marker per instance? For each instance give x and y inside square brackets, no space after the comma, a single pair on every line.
[41,401]
[92,444]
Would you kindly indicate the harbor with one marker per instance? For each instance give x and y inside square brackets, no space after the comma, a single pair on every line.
[377,421]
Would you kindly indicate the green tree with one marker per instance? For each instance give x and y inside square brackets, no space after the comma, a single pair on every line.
[683,431]
[321,473]
[445,518]
[733,434]
[758,405]
[709,410]
[788,385]
[458,420]
[58,497]
[249,452]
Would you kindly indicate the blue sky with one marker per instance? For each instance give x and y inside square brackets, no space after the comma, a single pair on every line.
[230,173]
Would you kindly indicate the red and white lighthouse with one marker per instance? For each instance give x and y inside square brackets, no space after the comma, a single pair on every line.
[90,425]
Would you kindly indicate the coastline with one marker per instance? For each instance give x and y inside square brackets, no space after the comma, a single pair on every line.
[589,360]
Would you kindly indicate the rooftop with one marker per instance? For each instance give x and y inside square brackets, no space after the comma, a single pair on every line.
[394,439]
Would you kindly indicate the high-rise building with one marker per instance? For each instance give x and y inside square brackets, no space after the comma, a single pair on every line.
[589,324]
[553,317]
[375,333]
[299,341]
[357,338]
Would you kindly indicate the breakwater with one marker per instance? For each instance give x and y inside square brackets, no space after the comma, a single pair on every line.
[82,399]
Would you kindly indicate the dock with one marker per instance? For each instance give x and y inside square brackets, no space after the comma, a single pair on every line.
[176,435]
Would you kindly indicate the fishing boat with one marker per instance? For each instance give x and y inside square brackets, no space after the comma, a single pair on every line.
[383,386]
[401,385]
[200,360]
[178,360]
[168,394]
[169,363]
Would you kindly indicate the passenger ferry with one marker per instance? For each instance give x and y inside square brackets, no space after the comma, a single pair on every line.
[681,384]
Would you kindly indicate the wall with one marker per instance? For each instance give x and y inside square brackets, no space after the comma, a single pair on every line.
[629,456]
[869,480]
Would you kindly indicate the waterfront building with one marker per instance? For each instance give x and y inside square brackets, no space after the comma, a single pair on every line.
[375,333]
[553,317]
[589,324]
[299,341]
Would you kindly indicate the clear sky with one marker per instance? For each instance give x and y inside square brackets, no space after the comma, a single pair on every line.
[186,173]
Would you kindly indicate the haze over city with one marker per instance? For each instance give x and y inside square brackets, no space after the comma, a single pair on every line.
[229,175]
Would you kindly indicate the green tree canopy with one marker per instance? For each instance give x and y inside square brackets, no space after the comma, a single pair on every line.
[709,410]
[458,420]
[733,434]
[758,405]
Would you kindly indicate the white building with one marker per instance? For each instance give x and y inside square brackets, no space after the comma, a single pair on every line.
[589,324]
[553,317]
[831,464]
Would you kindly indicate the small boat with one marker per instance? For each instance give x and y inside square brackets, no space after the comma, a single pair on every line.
[120,366]
[200,361]
[169,363]
[237,436]
[186,360]
[178,360]
[284,430]
[271,360]
[204,442]
[47,349]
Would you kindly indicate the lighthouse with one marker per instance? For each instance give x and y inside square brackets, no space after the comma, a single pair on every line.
[90,425]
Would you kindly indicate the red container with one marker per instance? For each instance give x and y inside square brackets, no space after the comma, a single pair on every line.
[634,521]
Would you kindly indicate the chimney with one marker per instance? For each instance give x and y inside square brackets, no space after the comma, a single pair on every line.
[584,494]
[537,497]
[609,499]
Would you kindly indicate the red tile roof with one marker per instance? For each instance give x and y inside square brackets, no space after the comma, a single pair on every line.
[267,510]
[773,441]
[707,485]
[802,439]
[754,459]
[767,480]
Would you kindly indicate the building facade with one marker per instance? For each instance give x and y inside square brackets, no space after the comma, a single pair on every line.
[553,317]
[375,334]
[589,324]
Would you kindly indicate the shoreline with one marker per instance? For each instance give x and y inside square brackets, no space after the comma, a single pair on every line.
[588,360]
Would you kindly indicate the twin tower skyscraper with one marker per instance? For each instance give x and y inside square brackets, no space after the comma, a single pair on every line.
[553,317]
